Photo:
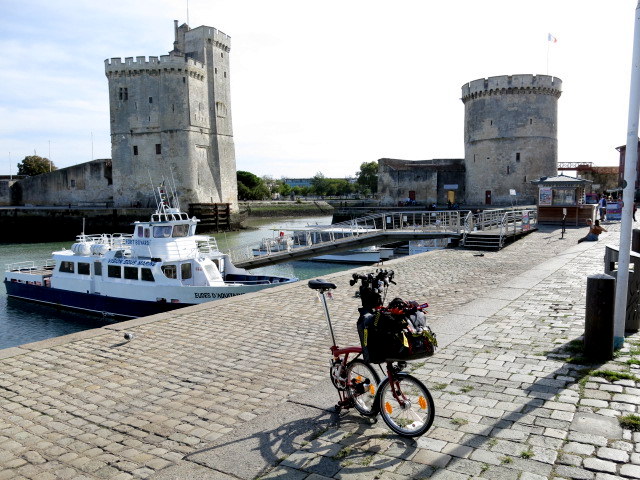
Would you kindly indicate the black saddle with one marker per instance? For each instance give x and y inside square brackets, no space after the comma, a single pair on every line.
[319,284]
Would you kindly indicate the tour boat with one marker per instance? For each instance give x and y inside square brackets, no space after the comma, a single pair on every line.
[162,266]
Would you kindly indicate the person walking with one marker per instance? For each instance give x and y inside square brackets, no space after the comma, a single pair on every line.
[594,231]
[602,206]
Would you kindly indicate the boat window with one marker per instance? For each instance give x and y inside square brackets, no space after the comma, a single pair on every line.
[140,231]
[114,271]
[185,271]
[66,267]
[147,233]
[170,271]
[162,231]
[84,268]
[146,274]
[131,273]
[97,268]
[180,230]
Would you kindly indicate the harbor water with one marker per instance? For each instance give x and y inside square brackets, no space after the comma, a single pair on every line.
[24,322]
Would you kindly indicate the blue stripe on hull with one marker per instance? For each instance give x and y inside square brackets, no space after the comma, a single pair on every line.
[95,304]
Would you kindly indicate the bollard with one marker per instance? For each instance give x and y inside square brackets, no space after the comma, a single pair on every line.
[635,240]
[598,325]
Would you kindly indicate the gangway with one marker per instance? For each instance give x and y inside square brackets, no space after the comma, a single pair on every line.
[377,229]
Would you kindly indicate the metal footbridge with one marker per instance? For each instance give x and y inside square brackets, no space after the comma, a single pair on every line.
[384,228]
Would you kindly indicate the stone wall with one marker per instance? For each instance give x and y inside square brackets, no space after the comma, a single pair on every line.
[427,178]
[88,183]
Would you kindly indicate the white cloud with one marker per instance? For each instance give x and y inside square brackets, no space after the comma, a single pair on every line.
[321,86]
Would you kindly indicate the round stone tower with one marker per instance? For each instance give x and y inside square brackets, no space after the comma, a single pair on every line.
[510,136]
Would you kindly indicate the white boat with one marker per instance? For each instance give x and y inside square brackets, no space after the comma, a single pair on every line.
[162,266]
[365,256]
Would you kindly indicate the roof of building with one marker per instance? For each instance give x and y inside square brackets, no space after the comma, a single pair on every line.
[561,181]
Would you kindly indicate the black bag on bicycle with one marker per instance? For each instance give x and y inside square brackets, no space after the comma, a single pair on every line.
[387,336]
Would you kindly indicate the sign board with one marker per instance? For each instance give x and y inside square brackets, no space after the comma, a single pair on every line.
[614,210]
[512,192]
[452,186]
[545,196]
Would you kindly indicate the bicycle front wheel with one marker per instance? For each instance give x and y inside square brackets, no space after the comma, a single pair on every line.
[406,405]
[362,385]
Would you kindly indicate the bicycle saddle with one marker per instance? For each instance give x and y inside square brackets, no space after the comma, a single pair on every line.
[319,284]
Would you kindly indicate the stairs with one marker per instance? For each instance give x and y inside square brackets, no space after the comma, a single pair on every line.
[482,241]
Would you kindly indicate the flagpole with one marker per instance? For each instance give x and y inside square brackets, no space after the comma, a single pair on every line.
[548,46]
[629,183]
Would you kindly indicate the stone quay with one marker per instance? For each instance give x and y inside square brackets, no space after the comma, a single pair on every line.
[239,388]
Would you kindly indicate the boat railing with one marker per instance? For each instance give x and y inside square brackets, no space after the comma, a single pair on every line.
[208,246]
[113,240]
[29,266]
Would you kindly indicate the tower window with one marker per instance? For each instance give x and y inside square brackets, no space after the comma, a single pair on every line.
[517,156]
[491,122]
[508,170]
[221,54]
[215,70]
[184,80]
[150,99]
[123,93]
[225,74]
[158,149]
[531,121]
[135,149]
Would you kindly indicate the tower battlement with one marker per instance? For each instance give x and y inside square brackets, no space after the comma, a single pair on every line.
[163,62]
[214,36]
[512,84]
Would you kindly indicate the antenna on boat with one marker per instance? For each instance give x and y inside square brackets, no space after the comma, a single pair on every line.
[174,191]
[153,190]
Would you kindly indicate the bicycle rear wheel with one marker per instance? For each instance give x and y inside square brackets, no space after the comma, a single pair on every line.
[362,385]
[406,405]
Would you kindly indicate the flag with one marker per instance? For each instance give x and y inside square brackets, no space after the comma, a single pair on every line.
[552,39]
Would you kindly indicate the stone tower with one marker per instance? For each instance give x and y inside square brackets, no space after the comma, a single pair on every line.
[171,120]
[510,136]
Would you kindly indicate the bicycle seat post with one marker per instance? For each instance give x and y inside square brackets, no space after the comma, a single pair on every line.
[322,286]
[328,317]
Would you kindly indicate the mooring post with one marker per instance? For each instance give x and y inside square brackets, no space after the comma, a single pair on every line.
[598,325]
[635,240]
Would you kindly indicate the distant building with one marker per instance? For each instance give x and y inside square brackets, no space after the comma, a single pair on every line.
[623,150]
[298,182]
[421,181]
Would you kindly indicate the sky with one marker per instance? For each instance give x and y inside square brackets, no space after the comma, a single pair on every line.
[319,86]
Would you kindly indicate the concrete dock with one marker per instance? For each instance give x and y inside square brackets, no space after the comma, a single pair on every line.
[239,388]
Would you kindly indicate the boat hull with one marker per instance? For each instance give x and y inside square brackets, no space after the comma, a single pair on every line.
[90,303]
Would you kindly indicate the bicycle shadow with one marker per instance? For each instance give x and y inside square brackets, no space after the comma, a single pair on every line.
[324,442]
[323,437]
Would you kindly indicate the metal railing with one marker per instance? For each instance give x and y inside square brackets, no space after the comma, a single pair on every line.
[506,221]
[371,225]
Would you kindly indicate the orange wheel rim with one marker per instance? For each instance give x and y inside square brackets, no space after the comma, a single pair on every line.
[388,408]
[422,402]
[359,379]
[372,389]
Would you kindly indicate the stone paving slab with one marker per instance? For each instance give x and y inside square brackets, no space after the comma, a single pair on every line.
[193,380]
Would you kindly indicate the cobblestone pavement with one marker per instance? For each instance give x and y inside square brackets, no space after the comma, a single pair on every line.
[509,403]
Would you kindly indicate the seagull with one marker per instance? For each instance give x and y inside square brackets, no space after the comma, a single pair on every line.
[128,336]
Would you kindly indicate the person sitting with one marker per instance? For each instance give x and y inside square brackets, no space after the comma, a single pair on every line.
[594,231]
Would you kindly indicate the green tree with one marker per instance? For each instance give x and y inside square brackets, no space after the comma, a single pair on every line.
[320,185]
[35,165]
[367,177]
[251,187]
